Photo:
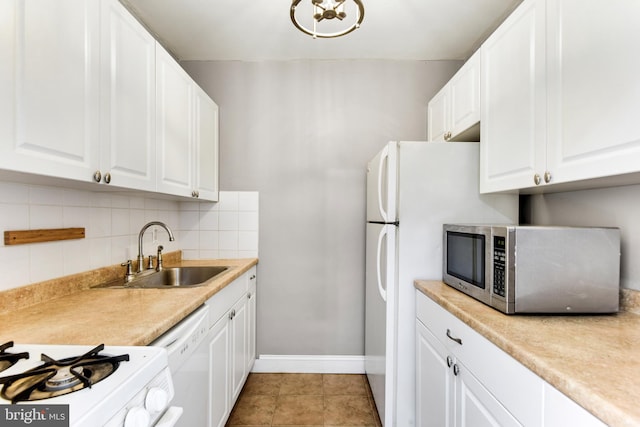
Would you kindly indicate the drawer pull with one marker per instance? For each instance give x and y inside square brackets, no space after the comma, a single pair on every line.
[458,340]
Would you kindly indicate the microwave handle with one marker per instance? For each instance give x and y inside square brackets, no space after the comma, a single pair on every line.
[381,290]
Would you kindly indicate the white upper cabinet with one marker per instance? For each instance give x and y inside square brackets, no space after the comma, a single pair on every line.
[87,94]
[128,100]
[206,147]
[512,148]
[187,133]
[593,88]
[454,112]
[174,119]
[50,87]
[438,115]
[560,95]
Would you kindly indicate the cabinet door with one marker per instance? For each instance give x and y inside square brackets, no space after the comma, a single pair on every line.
[174,125]
[465,98]
[251,319]
[238,346]
[593,88]
[512,149]
[434,381]
[438,115]
[206,146]
[128,100]
[220,402]
[475,406]
[50,85]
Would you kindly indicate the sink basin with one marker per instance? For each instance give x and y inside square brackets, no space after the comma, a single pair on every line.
[173,277]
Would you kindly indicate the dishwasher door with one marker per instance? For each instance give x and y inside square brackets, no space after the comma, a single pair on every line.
[189,365]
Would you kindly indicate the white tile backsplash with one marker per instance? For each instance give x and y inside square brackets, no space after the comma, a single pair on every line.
[227,229]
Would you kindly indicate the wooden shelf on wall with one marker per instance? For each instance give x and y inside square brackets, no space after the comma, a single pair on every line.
[20,237]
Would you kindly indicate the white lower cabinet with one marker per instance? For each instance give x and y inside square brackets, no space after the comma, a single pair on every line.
[447,392]
[232,339]
[219,368]
[462,379]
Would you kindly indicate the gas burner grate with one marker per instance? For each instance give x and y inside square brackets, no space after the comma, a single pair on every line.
[57,377]
[9,359]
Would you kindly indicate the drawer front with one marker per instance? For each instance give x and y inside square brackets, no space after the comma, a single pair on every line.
[221,302]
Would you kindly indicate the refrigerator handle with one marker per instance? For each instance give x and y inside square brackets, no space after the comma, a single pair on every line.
[384,156]
[381,290]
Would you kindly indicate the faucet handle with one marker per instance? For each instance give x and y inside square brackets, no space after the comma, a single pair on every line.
[159,262]
[128,275]
[150,265]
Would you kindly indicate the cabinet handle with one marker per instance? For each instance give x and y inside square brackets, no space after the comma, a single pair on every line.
[97,176]
[547,177]
[249,295]
[458,340]
[456,370]
[107,178]
[449,361]
[252,277]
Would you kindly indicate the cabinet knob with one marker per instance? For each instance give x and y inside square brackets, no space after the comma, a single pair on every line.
[456,370]
[249,295]
[195,194]
[536,179]
[97,176]
[447,136]
[547,177]
[107,178]
[449,361]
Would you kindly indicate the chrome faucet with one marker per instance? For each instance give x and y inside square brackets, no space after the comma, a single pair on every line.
[140,252]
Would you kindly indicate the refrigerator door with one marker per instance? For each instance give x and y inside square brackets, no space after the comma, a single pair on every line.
[382,182]
[379,299]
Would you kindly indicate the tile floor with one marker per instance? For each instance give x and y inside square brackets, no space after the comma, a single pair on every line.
[305,400]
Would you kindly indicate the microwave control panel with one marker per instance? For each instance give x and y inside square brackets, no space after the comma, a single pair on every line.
[499,264]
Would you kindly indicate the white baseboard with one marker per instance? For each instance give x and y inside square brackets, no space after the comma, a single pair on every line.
[271,363]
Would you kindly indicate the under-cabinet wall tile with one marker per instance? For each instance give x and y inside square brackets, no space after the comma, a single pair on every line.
[14,193]
[228,220]
[248,221]
[42,216]
[46,261]
[14,217]
[248,201]
[228,201]
[14,264]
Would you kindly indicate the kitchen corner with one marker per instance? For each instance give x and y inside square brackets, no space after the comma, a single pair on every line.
[71,310]
[592,359]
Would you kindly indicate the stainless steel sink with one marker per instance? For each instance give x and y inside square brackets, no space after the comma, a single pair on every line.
[171,277]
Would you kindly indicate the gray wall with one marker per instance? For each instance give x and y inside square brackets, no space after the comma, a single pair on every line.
[611,207]
[301,133]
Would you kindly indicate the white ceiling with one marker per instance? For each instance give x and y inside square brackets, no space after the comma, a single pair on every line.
[262,29]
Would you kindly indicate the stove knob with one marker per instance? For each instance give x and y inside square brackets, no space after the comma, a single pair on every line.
[156,400]
[137,417]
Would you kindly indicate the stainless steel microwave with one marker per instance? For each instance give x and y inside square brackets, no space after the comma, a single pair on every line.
[534,269]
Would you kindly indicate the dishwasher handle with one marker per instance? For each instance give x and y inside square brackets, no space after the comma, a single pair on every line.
[183,339]
[170,417]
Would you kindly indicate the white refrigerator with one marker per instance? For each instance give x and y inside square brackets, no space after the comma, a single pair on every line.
[413,188]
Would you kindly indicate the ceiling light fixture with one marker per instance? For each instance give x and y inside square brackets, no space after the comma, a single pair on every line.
[327,18]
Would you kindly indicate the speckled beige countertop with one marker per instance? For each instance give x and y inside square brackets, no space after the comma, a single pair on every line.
[71,311]
[595,360]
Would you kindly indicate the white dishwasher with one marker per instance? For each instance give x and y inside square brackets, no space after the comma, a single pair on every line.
[189,365]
